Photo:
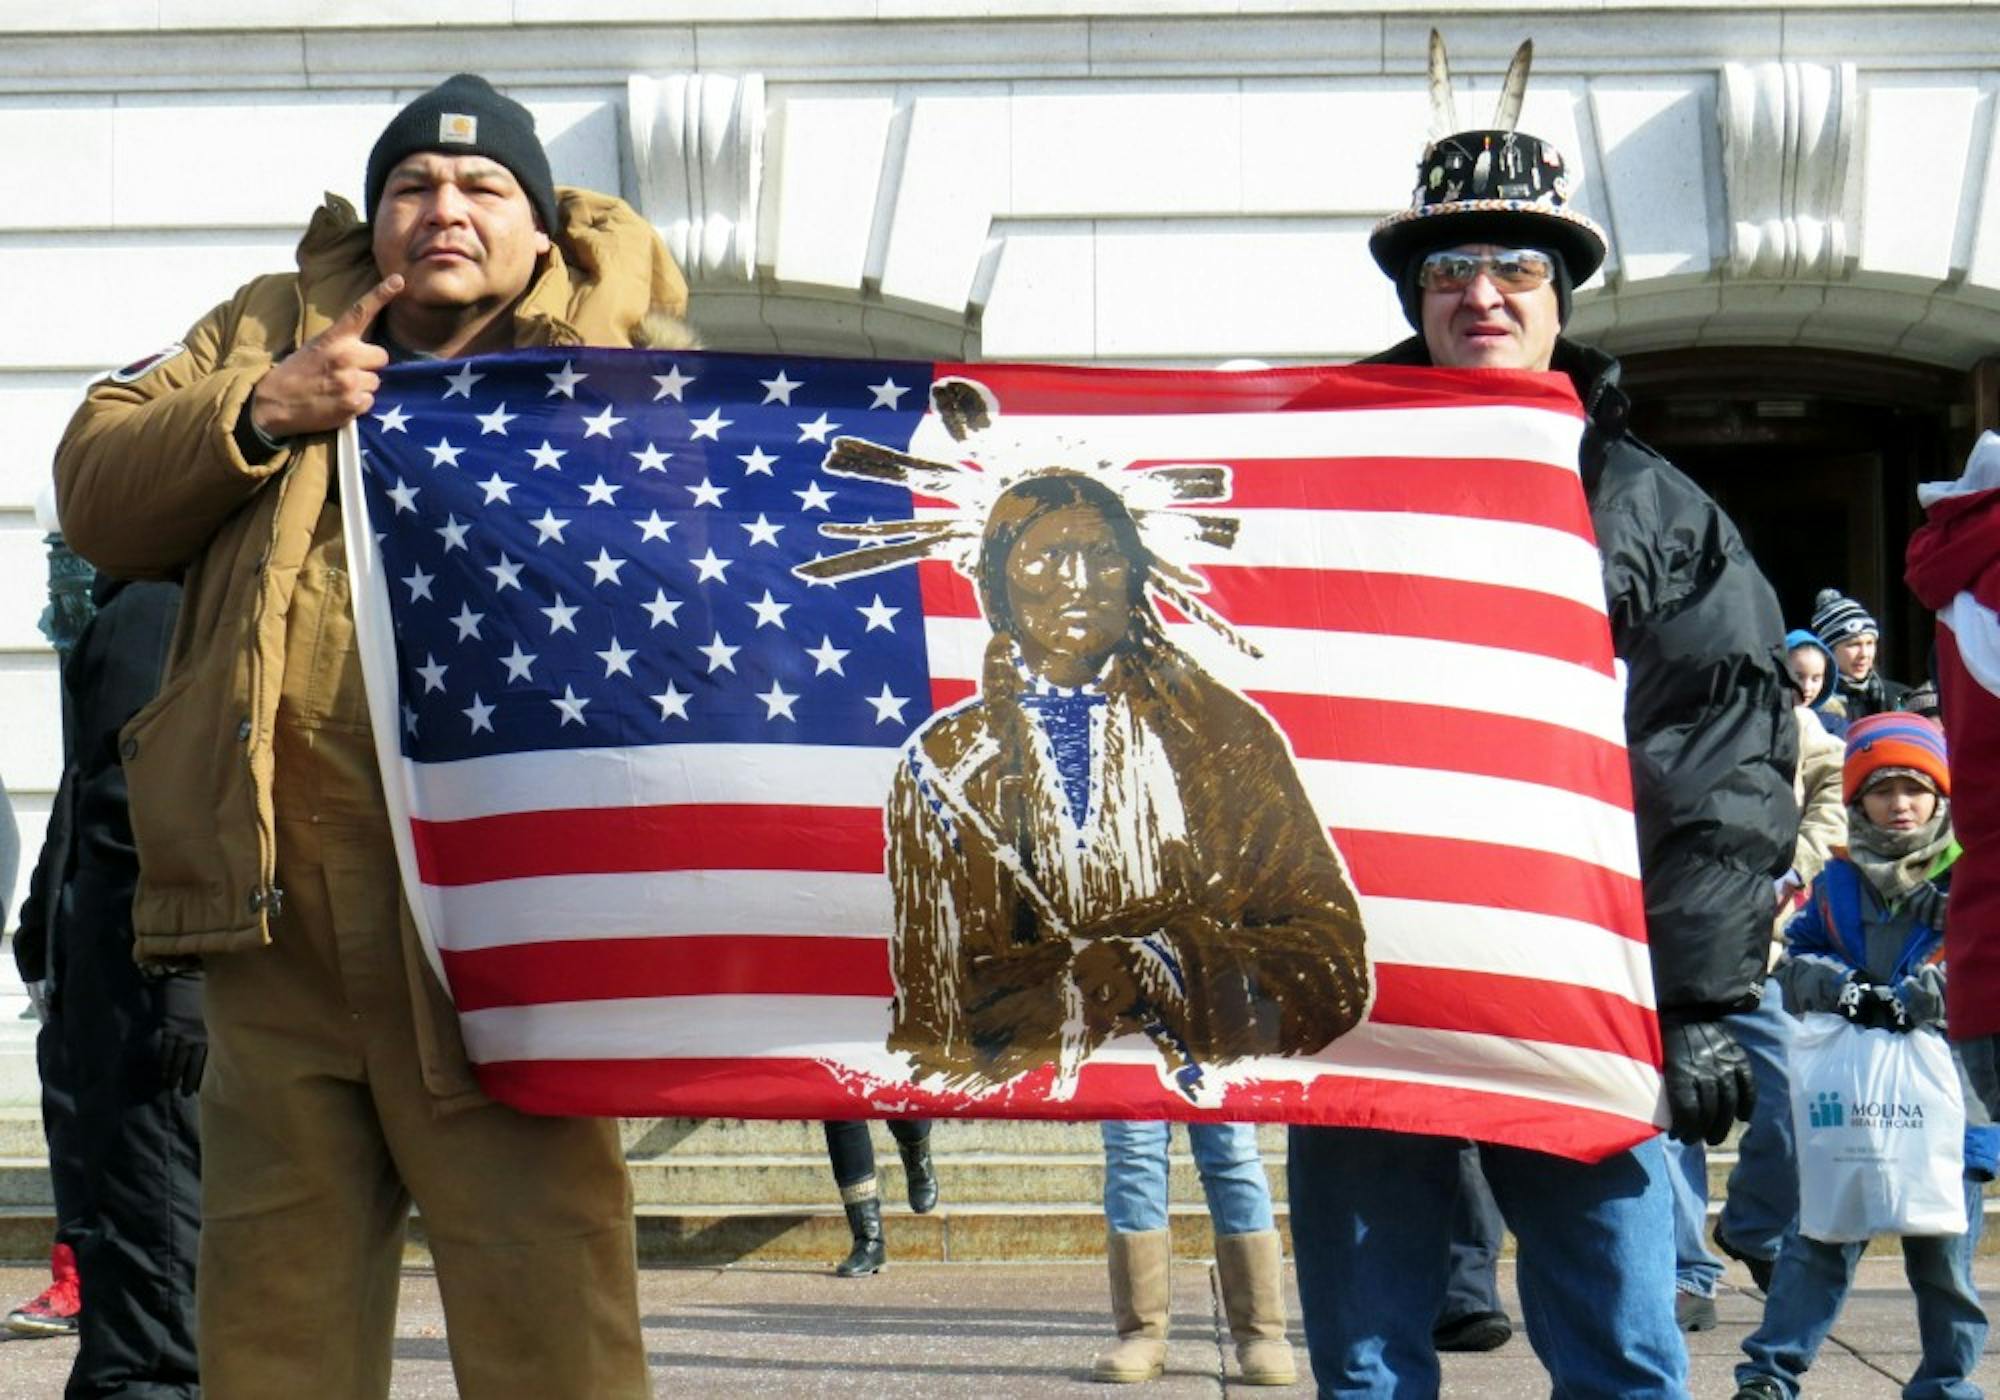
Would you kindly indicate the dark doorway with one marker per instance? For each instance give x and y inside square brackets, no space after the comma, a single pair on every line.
[1816,455]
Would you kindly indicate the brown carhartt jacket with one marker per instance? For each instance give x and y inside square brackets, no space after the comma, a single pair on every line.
[150,484]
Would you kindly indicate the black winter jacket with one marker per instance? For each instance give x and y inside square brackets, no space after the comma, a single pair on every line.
[1708,708]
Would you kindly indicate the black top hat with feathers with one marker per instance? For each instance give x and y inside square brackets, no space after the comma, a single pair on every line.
[1496,185]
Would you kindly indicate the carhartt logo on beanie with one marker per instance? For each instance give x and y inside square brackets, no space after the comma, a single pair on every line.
[1895,742]
[1838,618]
[464,116]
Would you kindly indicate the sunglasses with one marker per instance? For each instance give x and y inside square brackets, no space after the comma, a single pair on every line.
[1516,270]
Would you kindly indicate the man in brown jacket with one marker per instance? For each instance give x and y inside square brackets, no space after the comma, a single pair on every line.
[337,1089]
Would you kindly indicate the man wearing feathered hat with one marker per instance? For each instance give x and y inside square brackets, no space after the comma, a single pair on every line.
[1485,260]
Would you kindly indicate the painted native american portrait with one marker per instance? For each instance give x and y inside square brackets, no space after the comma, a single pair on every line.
[1104,841]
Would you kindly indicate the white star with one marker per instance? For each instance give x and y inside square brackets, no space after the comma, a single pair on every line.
[604,567]
[565,382]
[433,673]
[506,574]
[559,615]
[453,531]
[887,707]
[707,493]
[709,569]
[757,462]
[405,496]
[762,531]
[549,527]
[671,383]
[496,490]
[816,430]
[887,394]
[393,420]
[813,497]
[662,608]
[617,660]
[602,424]
[480,713]
[496,421]
[419,583]
[601,492]
[652,459]
[517,665]
[444,454]
[711,427]
[570,704]
[409,721]
[777,702]
[462,382]
[673,703]
[467,622]
[827,657]
[779,390]
[547,456]
[770,612]
[878,615]
[719,653]
[653,528]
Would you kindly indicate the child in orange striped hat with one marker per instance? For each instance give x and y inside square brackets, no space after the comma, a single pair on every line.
[1869,946]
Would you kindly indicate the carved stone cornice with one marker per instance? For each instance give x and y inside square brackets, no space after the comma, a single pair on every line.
[1788,133]
[698,153]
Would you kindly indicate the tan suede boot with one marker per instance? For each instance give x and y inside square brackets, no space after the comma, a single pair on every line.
[1141,1291]
[1252,1270]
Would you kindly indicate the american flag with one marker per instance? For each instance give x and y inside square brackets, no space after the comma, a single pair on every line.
[639,763]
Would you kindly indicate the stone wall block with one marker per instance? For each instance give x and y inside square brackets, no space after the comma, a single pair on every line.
[1917,148]
[818,201]
[1655,173]
[956,176]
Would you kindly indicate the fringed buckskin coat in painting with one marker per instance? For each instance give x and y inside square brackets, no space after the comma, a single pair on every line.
[1198,837]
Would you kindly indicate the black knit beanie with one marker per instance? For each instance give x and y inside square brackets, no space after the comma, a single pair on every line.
[1412,295]
[464,116]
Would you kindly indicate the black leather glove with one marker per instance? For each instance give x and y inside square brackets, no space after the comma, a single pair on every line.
[183,1033]
[1708,1080]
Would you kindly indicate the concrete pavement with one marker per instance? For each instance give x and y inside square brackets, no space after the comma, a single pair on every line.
[926,1329]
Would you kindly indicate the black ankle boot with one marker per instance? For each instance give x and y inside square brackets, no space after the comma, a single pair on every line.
[919,1175]
[864,1218]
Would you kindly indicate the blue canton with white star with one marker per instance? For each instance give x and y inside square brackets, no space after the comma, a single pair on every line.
[594,548]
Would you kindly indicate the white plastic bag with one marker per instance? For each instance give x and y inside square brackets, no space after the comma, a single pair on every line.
[1880,1127]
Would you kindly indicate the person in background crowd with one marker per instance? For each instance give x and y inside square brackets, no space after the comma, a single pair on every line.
[1249,1260]
[337,1087]
[1471,1318]
[1847,630]
[1813,671]
[1484,262]
[133,1039]
[1870,946]
[852,1153]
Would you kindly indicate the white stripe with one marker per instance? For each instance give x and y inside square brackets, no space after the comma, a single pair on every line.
[1506,943]
[1976,629]
[560,908]
[846,1032]
[1364,666]
[1474,431]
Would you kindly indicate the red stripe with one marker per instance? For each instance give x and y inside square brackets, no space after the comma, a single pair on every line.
[617,840]
[1519,1008]
[1479,488]
[801,1088]
[1093,391]
[1394,866]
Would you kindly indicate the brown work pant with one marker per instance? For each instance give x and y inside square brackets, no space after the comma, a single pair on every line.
[319,1129]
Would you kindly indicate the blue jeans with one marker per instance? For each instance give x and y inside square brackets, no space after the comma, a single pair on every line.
[1232,1175]
[1763,1194]
[1812,1280]
[1371,1234]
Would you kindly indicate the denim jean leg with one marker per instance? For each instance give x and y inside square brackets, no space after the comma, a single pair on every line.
[1763,1194]
[1135,1176]
[1476,1231]
[1808,1284]
[1232,1176]
[1696,1270]
[1595,1260]
[1950,1322]
[1371,1236]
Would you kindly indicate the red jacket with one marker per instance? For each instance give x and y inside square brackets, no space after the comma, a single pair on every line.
[1954,569]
